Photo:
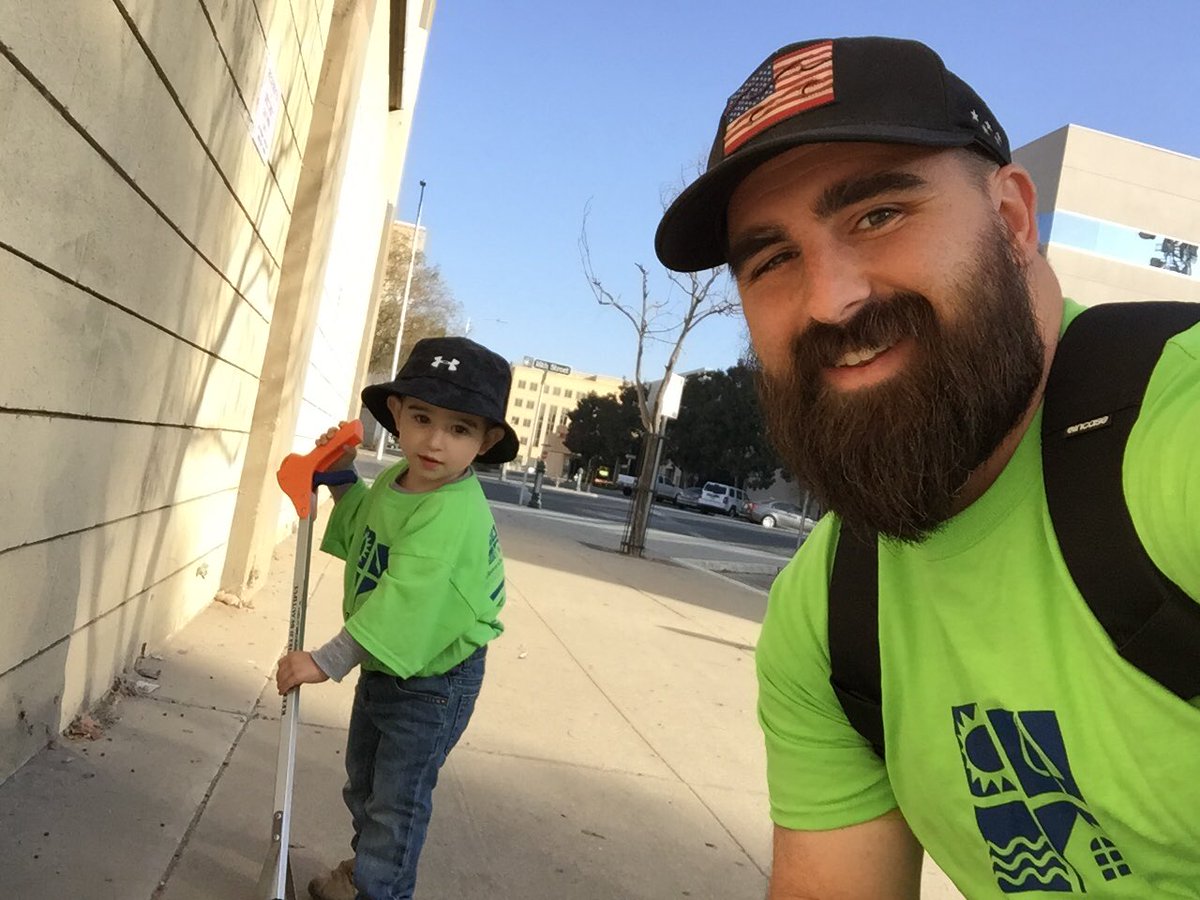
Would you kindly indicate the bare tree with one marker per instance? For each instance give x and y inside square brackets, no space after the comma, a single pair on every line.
[668,322]
[432,309]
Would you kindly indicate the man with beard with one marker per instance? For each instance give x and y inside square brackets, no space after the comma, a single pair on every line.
[886,253]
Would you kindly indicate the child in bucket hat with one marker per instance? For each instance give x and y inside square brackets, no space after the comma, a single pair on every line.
[423,589]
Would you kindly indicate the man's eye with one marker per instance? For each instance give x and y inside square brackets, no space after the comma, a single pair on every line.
[771,262]
[876,218]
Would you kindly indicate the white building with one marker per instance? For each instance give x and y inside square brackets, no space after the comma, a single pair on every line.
[193,207]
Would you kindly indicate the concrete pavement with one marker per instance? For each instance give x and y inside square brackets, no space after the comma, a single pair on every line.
[613,753]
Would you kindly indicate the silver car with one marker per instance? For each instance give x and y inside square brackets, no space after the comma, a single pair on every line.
[779,514]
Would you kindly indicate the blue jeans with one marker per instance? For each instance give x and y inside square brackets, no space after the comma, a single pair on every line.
[401,731]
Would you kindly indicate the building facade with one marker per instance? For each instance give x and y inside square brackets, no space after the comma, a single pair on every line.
[540,406]
[194,201]
[1118,220]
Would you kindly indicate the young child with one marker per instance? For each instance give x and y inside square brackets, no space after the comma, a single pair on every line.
[424,585]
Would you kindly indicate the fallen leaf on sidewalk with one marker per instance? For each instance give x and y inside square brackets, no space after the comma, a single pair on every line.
[85,728]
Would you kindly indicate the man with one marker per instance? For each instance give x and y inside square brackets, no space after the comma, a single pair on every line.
[886,252]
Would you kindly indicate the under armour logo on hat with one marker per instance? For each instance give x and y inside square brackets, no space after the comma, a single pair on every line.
[451,364]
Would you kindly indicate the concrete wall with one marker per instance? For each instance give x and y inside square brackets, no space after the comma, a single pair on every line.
[143,237]
[1096,193]
[360,220]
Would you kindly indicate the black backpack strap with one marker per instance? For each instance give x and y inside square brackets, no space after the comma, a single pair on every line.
[1093,396]
[854,634]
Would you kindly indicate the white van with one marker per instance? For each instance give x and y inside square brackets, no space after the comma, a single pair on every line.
[723,498]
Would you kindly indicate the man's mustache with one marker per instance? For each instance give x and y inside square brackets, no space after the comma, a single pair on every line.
[881,321]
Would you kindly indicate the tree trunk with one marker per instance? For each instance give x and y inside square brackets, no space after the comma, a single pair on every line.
[634,542]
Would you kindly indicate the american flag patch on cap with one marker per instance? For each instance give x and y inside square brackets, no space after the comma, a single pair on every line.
[779,88]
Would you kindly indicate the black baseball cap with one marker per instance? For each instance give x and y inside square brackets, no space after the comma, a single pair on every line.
[454,373]
[876,89]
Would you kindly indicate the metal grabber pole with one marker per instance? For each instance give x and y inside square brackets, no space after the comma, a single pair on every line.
[299,476]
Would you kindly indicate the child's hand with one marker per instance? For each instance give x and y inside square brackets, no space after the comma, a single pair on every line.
[346,460]
[297,667]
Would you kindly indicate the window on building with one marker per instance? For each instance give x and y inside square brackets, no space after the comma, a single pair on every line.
[524,441]
[558,392]
[518,402]
[521,383]
[568,394]
[515,420]
[526,423]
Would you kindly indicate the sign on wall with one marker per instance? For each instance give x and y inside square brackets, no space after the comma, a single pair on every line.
[265,120]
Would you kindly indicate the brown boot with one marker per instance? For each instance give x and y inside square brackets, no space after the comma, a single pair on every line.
[335,885]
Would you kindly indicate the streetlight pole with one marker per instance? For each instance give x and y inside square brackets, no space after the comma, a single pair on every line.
[537,407]
[412,259]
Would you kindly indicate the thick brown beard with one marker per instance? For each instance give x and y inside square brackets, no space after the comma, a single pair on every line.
[891,458]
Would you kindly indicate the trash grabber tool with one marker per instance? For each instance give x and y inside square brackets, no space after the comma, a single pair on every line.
[299,476]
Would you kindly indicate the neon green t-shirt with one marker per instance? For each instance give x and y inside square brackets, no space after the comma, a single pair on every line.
[424,580]
[1026,755]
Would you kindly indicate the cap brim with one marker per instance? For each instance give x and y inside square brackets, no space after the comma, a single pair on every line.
[691,235]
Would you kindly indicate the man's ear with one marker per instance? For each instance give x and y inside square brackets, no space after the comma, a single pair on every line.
[1016,203]
[490,439]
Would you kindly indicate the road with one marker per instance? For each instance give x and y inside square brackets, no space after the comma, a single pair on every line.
[735,548]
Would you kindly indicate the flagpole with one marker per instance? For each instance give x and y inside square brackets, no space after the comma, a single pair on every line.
[412,258]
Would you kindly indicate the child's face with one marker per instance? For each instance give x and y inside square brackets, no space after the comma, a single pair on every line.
[440,443]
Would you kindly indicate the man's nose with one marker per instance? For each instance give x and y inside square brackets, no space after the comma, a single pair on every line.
[835,284]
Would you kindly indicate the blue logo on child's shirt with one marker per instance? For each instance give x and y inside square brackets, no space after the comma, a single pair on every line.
[372,562]
[1039,832]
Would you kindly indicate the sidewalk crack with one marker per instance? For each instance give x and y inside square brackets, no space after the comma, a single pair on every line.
[200,810]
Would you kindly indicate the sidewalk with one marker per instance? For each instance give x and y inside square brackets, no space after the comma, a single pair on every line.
[613,754]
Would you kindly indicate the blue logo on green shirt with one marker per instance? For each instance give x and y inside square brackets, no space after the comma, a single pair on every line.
[1040,833]
[493,545]
[372,562]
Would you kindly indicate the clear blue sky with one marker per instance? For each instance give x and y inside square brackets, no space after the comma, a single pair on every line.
[529,110]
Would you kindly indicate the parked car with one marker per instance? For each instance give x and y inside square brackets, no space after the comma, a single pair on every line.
[664,490]
[779,514]
[688,498]
[723,498]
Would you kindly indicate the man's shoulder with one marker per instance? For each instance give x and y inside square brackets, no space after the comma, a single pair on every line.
[797,608]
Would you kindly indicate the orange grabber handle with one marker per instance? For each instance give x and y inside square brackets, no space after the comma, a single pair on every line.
[298,474]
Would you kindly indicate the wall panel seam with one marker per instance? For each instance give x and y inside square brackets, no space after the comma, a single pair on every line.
[241,97]
[108,301]
[145,512]
[54,102]
[287,113]
[115,420]
[174,95]
[107,613]
[300,48]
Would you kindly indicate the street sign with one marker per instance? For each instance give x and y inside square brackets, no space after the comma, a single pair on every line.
[671,396]
[551,367]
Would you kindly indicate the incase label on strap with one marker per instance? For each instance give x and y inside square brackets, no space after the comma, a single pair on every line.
[1090,425]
